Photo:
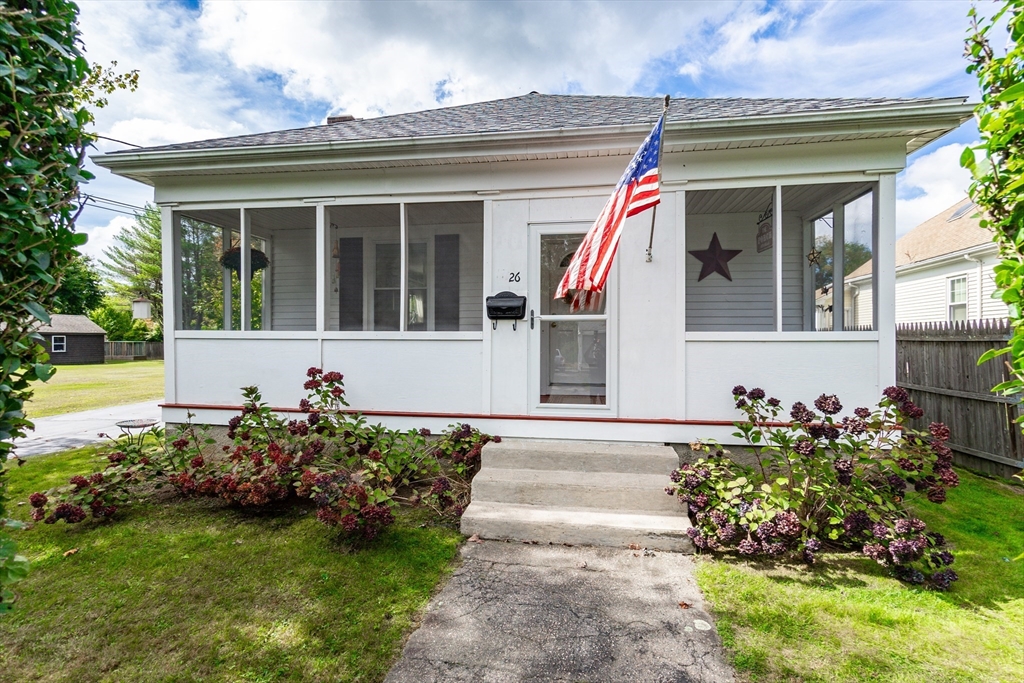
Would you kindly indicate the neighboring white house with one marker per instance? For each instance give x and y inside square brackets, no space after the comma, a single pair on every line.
[944,272]
[372,245]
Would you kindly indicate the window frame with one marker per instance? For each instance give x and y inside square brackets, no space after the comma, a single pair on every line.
[950,282]
[63,343]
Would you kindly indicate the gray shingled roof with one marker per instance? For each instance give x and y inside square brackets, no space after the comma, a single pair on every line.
[70,324]
[535,112]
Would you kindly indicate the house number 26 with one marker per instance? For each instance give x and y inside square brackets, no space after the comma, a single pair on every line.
[513,277]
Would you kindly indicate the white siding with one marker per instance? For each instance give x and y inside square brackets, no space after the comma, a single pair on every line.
[293,280]
[991,308]
[747,302]
[793,272]
[863,306]
[923,295]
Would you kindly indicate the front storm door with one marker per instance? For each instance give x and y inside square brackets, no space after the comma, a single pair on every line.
[570,351]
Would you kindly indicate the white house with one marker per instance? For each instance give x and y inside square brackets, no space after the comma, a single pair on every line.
[944,272]
[374,243]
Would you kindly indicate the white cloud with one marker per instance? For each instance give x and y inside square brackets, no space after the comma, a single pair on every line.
[371,58]
[840,49]
[236,67]
[930,184]
[101,237]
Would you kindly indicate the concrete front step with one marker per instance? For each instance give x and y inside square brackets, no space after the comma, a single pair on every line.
[559,488]
[580,456]
[578,526]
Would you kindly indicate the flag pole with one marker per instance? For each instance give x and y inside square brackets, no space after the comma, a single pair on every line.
[654,210]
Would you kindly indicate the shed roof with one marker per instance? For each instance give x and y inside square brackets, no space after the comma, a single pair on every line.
[70,324]
[954,230]
[537,112]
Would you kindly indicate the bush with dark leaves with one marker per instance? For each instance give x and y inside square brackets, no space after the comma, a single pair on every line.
[824,481]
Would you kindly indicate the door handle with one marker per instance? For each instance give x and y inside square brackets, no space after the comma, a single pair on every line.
[531,318]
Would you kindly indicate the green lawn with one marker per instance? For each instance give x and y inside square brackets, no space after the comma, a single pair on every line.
[84,387]
[195,591]
[846,620]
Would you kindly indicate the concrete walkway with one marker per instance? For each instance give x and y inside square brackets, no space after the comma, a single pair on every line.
[515,612]
[74,430]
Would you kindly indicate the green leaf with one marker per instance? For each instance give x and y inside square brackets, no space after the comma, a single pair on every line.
[36,310]
[1014,92]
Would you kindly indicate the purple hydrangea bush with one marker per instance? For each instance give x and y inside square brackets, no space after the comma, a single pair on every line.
[821,481]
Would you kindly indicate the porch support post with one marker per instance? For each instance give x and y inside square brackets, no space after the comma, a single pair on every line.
[838,265]
[321,267]
[225,240]
[171,265]
[244,274]
[884,227]
[808,271]
[777,254]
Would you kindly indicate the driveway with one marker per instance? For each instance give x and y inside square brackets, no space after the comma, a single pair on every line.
[515,612]
[73,430]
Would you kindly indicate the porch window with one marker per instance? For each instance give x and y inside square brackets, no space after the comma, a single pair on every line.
[280,262]
[729,261]
[433,252]
[958,298]
[849,224]
[58,344]
[766,258]
[208,296]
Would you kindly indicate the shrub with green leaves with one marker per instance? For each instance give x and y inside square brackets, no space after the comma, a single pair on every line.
[821,481]
[43,142]
[998,172]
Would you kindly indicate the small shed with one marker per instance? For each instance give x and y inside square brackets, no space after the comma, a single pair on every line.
[73,340]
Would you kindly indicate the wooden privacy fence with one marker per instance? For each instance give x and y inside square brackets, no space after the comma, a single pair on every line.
[133,350]
[938,364]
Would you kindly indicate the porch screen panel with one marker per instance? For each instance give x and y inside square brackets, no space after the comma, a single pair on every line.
[836,256]
[364,267]
[350,283]
[730,283]
[446,282]
[283,267]
[444,267]
[208,291]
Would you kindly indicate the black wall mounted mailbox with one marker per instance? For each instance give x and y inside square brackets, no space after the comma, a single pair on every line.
[506,306]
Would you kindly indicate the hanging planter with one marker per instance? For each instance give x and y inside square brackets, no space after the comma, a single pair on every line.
[232,260]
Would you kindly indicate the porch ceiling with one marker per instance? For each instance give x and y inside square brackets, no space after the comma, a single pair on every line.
[802,199]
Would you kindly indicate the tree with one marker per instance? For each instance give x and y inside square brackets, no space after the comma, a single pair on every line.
[80,290]
[133,265]
[998,171]
[855,255]
[115,317]
[46,87]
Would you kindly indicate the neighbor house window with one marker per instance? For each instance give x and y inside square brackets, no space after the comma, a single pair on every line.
[958,298]
[58,344]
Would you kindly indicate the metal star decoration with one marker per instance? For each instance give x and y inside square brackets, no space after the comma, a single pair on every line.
[814,257]
[714,259]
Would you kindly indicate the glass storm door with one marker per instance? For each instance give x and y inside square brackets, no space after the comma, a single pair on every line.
[570,350]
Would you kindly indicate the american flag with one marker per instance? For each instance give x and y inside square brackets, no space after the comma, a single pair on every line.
[636,191]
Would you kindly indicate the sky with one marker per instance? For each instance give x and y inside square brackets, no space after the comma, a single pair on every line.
[212,69]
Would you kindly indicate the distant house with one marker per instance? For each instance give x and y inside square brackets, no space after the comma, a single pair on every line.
[944,272]
[73,340]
